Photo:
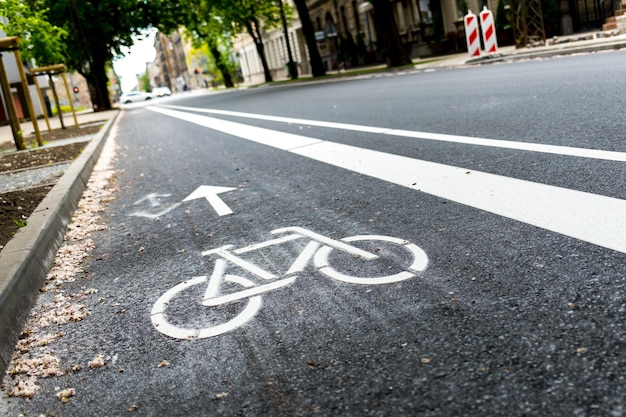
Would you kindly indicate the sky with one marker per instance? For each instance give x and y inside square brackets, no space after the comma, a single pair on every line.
[134,62]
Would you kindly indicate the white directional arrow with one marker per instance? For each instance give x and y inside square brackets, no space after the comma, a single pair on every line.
[211,195]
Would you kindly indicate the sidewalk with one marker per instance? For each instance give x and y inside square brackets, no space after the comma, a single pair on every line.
[563,45]
[27,258]
[83,117]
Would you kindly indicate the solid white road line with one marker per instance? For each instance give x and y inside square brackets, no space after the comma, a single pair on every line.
[467,140]
[589,217]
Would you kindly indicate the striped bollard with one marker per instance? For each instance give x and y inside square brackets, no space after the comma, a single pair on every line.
[489,31]
[471,34]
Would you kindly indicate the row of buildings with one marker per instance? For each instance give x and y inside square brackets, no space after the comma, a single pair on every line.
[346,36]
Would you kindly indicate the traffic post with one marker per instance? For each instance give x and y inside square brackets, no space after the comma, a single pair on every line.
[489,31]
[471,34]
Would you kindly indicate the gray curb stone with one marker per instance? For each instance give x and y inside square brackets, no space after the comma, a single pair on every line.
[27,258]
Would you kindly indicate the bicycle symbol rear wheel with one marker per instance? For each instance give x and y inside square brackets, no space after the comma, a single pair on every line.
[163,324]
[419,262]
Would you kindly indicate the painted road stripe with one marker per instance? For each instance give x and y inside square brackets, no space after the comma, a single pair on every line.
[589,217]
[494,143]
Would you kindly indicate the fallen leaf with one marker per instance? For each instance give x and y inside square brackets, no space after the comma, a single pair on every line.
[312,363]
[97,362]
[64,395]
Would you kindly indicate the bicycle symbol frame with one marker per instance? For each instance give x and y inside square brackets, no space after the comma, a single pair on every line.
[316,250]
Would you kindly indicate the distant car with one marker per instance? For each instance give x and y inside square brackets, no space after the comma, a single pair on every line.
[134,96]
[161,92]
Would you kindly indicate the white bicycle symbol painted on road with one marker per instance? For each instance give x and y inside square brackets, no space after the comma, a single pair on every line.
[224,294]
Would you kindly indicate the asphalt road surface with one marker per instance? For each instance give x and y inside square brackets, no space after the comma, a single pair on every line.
[432,243]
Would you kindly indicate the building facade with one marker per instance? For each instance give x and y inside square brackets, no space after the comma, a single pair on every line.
[346,35]
[172,70]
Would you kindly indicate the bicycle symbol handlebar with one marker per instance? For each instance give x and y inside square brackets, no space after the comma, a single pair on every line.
[316,251]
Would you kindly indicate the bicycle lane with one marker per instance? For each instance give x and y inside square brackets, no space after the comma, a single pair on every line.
[317,345]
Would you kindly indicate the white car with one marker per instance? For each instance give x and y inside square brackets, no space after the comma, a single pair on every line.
[161,91]
[134,96]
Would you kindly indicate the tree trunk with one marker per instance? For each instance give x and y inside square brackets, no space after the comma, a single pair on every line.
[260,49]
[223,68]
[98,83]
[317,66]
[388,31]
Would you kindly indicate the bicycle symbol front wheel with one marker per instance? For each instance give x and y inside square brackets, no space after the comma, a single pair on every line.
[330,266]
[162,316]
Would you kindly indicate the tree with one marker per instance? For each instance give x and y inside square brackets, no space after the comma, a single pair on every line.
[317,66]
[98,31]
[39,39]
[204,26]
[145,82]
[387,30]
[255,16]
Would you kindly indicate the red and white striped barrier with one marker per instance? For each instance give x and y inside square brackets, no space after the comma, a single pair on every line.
[489,31]
[471,34]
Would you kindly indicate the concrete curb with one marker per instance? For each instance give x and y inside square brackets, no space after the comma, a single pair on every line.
[549,52]
[27,258]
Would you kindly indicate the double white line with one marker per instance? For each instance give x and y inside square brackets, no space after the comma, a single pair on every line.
[589,217]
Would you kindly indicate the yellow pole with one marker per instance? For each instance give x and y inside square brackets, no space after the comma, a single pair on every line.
[43,103]
[29,102]
[14,120]
[70,98]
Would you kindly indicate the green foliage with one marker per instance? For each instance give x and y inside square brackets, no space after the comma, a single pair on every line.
[20,223]
[550,11]
[145,82]
[39,39]
[100,30]
[503,18]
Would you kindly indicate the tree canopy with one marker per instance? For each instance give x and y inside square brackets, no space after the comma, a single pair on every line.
[39,39]
[88,35]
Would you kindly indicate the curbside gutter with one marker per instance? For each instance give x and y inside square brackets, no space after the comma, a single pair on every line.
[27,258]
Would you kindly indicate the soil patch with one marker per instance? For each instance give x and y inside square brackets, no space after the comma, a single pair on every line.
[17,206]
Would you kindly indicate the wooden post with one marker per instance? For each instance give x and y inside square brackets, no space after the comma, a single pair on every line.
[14,120]
[29,102]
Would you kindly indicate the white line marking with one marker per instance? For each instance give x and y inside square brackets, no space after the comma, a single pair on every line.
[589,217]
[494,143]
[210,193]
[239,295]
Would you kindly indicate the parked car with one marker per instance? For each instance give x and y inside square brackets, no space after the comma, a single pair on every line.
[161,91]
[134,96]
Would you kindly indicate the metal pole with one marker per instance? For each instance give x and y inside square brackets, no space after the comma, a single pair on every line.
[56,100]
[70,98]
[43,103]
[14,120]
[29,102]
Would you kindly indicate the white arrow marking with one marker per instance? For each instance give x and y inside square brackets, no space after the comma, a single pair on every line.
[211,195]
